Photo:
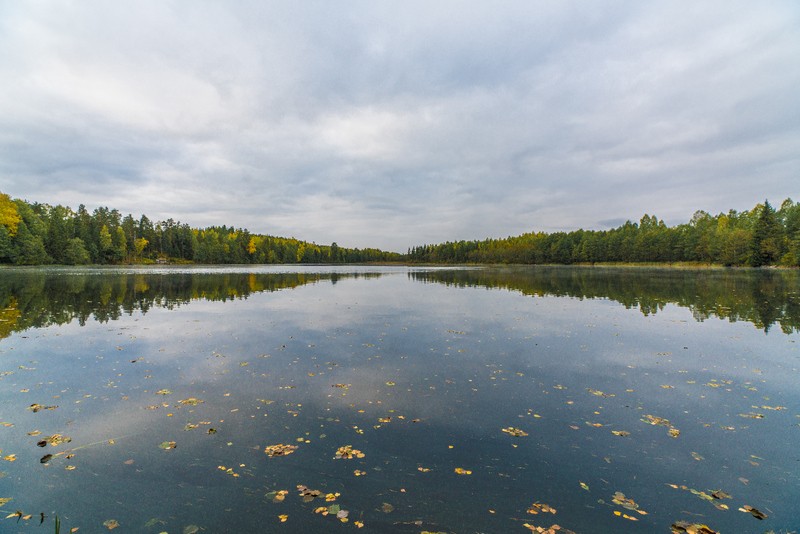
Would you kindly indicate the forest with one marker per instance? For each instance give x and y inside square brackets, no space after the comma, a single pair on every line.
[762,236]
[39,234]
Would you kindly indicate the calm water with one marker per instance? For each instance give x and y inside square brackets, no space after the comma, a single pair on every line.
[663,385]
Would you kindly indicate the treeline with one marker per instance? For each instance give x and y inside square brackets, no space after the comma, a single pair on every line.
[37,234]
[759,237]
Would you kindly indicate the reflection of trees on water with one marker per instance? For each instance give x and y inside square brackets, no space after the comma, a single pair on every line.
[36,298]
[762,297]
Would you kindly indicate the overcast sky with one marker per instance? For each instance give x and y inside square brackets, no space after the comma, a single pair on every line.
[393,124]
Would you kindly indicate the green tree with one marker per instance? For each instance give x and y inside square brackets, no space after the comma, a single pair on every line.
[120,244]
[28,248]
[106,244]
[75,252]
[766,246]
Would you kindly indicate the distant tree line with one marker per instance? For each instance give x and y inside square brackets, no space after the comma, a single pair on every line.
[37,234]
[759,237]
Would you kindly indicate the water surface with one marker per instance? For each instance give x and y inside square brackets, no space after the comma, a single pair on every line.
[663,385]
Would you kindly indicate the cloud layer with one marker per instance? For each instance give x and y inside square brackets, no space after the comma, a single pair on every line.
[393,124]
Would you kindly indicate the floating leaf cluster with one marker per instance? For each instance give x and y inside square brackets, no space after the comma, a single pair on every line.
[347,452]
[653,420]
[684,527]
[54,440]
[538,507]
[620,499]
[279,449]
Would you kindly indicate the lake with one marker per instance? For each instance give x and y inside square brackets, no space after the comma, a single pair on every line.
[399,399]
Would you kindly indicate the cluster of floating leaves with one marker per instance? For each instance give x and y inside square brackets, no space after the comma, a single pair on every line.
[347,452]
[54,440]
[684,527]
[538,507]
[19,514]
[308,495]
[620,499]
[516,432]
[228,471]
[38,407]
[653,420]
[462,471]
[552,529]
[279,450]
[713,496]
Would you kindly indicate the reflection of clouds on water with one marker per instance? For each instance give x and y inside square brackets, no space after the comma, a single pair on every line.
[465,361]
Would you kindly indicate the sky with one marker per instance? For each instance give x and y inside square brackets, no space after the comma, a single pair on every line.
[393,124]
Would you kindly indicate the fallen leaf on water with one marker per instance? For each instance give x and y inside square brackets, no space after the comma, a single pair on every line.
[621,433]
[752,415]
[283,518]
[598,393]
[110,524]
[38,407]
[719,494]
[624,516]
[462,471]
[387,508]
[584,485]
[277,496]
[167,445]
[516,432]
[191,529]
[758,514]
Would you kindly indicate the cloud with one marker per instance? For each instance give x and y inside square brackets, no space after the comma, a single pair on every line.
[394,124]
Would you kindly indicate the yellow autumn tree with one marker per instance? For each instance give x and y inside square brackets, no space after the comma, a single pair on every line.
[9,216]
